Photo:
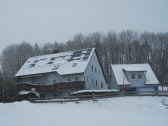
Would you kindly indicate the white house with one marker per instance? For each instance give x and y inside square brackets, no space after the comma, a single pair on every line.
[59,74]
[133,78]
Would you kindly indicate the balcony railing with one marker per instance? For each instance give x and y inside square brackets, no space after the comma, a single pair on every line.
[27,86]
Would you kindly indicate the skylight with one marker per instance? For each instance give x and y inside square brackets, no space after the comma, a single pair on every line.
[35,61]
[74,65]
[53,58]
[50,63]
[55,67]
[31,65]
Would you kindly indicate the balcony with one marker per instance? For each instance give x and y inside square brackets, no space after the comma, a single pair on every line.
[58,86]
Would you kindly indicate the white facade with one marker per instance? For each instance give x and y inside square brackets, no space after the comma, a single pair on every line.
[94,77]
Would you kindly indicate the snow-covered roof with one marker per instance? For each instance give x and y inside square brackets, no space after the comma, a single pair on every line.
[120,76]
[134,68]
[63,63]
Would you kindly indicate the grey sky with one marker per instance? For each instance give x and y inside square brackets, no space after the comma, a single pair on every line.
[50,20]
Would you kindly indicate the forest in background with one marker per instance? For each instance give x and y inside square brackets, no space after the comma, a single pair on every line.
[125,47]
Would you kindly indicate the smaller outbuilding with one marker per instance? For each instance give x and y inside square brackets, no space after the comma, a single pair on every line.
[136,78]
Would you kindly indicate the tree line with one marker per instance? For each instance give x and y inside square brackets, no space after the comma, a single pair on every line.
[125,47]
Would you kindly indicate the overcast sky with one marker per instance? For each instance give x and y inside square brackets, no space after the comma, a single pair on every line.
[49,20]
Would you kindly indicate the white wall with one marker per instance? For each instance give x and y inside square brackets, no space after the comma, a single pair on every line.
[92,76]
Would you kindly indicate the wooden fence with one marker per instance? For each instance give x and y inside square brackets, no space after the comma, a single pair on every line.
[92,96]
[96,97]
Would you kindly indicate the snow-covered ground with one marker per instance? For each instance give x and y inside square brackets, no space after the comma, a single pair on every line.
[118,111]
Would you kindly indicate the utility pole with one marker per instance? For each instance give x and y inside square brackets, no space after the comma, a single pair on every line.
[3,91]
[123,86]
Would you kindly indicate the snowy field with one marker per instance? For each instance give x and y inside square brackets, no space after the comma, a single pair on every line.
[119,111]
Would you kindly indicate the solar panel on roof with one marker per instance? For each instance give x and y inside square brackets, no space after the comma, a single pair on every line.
[43,59]
[31,65]
[77,53]
[50,63]
[76,58]
[53,58]
[69,60]
[85,58]
[62,57]
[55,67]
[88,53]
[84,50]
[46,63]
[89,50]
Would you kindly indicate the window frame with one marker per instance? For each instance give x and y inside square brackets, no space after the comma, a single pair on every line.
[101,85]
[96,83]
[76,78]
[74,64]
[133,76]
[92,68]
[95,70]
[139,76]
[69,78]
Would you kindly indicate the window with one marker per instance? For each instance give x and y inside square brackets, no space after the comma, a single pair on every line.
[95,70]
[54,81]
[87,78]
[101,85]
[96,82]
[42,95]
[74,65]
[68,78]
[92,68]
[76,78]
[132,76]
[139,76]
[55,95]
